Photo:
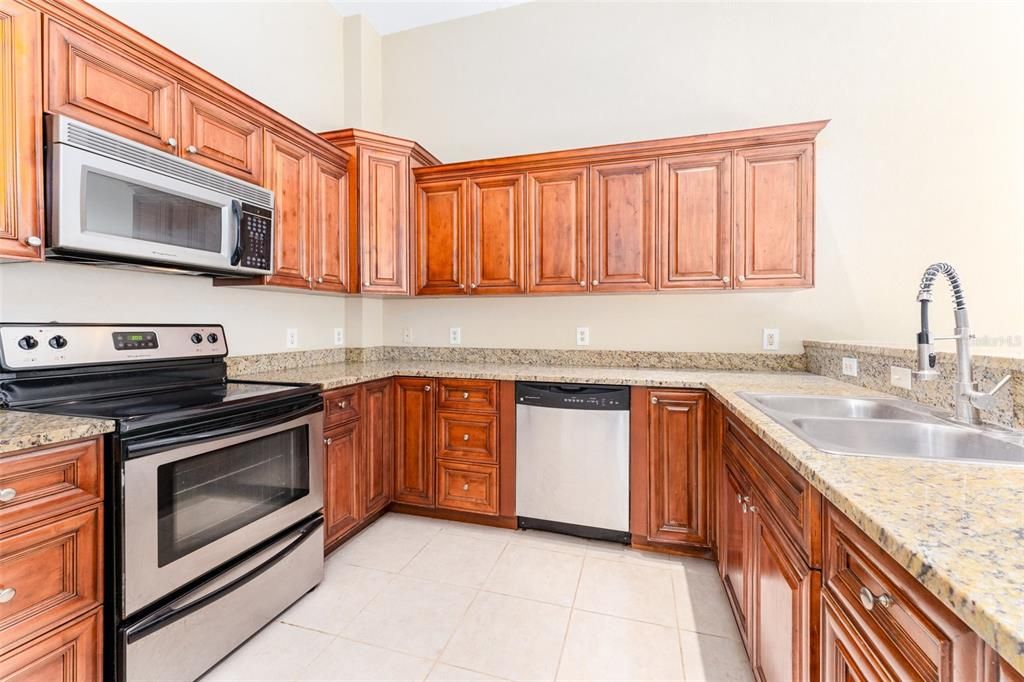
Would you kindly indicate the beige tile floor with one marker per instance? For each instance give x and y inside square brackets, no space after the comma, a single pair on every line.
[419,599]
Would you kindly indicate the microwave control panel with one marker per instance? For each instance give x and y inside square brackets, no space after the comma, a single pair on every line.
[257,237]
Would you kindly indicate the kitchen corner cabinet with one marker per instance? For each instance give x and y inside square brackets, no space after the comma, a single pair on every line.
[669,469]
[21,131]
[414,441]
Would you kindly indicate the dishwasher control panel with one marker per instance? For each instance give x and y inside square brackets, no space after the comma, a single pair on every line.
[572,396]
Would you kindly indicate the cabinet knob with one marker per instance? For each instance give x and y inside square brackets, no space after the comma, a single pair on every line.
[328,441]
[654,400]
[473,285]
[319,280]
[869,600]
[753,509]
[742,278]
[343,404]
[7,594]
[462,286]
[8,494]
[582,283]
[366,284]
[465,486]
[33,240]
[172,142]
[427,388]
[191,149]
[744,507]
[746,498]
[725,279]
[739,498]
[594,282]
[465,394]
[465,436]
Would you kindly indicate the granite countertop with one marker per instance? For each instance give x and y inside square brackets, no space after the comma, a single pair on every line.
[957,527]
[24,430]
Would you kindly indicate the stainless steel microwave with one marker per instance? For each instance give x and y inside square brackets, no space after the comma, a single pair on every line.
[113,200]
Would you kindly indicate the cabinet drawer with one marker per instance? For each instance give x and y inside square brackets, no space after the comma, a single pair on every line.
[911,632]
[74,652]
[221,138]
[467,394]
[467,487]
[794,502]
[52,569]
[341,406]
[49,482]
[467,436]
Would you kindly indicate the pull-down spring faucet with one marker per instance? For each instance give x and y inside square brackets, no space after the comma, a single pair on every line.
[968,400]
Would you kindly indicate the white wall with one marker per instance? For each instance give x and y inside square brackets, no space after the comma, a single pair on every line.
[921,161]
[286,54]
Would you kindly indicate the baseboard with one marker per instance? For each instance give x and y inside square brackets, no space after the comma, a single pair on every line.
[696,551]
[453,515]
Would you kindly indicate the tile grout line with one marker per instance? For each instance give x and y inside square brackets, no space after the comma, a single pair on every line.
[572,609]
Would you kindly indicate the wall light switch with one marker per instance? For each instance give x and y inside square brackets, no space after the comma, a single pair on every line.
[406,335]
[455,336]
[291,338]
[582,336]
[339,336]
[900,376]
[770,339]
[850,367]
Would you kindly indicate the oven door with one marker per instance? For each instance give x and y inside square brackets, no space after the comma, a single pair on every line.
[188,510]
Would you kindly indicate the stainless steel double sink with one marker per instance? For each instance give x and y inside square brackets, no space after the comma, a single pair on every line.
[888,427]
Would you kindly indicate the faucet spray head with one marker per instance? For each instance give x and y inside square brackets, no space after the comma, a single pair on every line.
[925,355]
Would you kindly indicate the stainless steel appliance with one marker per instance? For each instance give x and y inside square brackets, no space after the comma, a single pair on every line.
[214,487]
[113,200]
[572,459]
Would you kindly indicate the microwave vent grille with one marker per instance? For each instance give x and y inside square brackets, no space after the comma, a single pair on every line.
[160,162]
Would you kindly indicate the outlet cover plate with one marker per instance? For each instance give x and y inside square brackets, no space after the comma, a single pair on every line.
[900,377]
[339,336]
[582,336]
[455,336]
[770,339]
[406,335]
[291,337]
[850,367]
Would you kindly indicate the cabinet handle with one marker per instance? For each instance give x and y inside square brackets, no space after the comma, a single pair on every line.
[465,436]
[33,240]
[473,285]
[8,494]
[172,142]
[343,404]
[328,441]
[869,600]
[744,507]
[465,486]
[465,394]
[582,283]
[739,498]
[742,278]
[191,149]
[725,279]
[654,400]
[7,594]
[594,282]
[753,509]
[427,388]
[319,280]
[366,284]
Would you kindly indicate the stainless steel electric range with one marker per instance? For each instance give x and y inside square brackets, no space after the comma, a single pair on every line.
[214,487]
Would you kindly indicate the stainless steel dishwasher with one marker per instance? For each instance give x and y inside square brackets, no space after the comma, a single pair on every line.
[572,459]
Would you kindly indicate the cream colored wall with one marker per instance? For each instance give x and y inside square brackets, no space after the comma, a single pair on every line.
[286,54]
[921,161]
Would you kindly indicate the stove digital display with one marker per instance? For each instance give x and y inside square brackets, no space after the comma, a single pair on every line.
[135,340]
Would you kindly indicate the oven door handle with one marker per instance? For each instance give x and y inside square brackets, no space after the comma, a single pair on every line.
[224,584]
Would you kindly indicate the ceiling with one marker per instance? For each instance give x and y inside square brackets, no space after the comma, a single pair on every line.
[392,17]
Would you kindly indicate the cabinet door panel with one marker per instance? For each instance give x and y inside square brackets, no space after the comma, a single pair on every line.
[775,216]
[72,652]
[223,139]
[379,421]
[330,227]
[497,235]
[384,221]
[734,545]
[467,487]
[845,657]
[342,451]
[696,221]
[287,175]
[414,441]
[678,468]
[21,130]
[441,237]
[558,228]
[96,84]
[622,237]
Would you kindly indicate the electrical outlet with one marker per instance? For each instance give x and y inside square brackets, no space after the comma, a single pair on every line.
[850,367]
[770,339]
[582,336]
[291,338]
[406,335]
[900,376]
[339,336]
[455,336]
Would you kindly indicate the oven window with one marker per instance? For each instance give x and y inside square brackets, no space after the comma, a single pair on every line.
[203,498]
[124,209]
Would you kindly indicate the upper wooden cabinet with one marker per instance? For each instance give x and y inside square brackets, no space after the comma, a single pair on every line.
[558,231]
[775,216]
[219,137]
[329,202]
[287,173]
[21,131]
[441,237]
[497,235]
[695,221]
[622,225]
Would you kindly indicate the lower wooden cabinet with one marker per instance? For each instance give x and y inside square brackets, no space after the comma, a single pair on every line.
[467,487]
[342,449]
[376,470]
[414,441]
[73,652]
[734,542]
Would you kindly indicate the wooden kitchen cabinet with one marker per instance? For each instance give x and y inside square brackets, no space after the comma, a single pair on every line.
[668,462]
[497,235]
[441,237]
[376,474]
[329,204]
[21,133]
[72,652]
[558,231]
[414,441]
[623,207]
[287,174]
[342,449]
[734,543]
[223,138]
[774,216]
[695,232]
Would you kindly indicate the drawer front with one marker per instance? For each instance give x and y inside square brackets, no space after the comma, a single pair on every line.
[467,487]
[48,574]
[907,628]
[467,436]
[341,406]
[467,394]
[49,482]
[794,502]
[74,652]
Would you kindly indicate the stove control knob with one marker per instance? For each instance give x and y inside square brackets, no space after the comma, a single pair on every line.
[197,338]
[58,342]
[27,342]
[213,338]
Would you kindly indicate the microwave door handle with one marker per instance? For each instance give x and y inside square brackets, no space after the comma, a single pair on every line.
[236,214]
[223,585]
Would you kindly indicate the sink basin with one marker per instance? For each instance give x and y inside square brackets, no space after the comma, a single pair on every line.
[887,427]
